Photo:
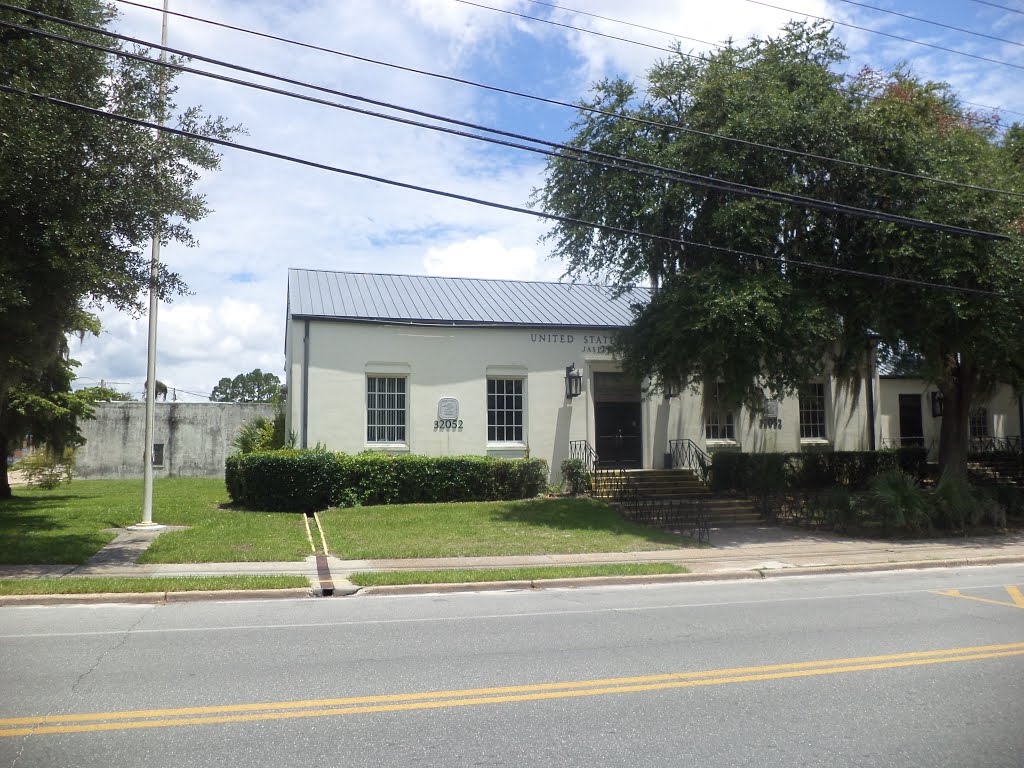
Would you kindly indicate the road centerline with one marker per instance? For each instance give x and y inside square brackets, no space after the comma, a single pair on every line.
[162,718]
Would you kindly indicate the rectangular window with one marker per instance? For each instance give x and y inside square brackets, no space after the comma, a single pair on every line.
[718,425]
[812,412]
[978,423]
[158,454]
[504,410]
[385,409]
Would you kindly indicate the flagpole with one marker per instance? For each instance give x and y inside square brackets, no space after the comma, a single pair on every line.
[147,523]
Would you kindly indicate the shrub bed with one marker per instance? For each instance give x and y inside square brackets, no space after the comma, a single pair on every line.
[761,473]
[305,480]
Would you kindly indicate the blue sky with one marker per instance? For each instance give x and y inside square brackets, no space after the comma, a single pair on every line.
[269,215]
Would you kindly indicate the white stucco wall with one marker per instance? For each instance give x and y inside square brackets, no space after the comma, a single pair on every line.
[1002,407]
[456,362]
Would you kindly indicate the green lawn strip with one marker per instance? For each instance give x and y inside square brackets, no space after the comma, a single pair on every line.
[66,525]
[538,573]
[529,527]
[81,585]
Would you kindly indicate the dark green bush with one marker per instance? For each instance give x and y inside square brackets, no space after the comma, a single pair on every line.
[760,473]
[286,480]
[575,475]
[308,480]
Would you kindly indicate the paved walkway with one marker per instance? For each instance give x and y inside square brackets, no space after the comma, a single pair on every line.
[736,551]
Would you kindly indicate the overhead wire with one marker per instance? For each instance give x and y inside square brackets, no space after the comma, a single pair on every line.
[556,102]
[939,24]
[693,55]
[996,5]
[574,153]
[890,35]
[572,221]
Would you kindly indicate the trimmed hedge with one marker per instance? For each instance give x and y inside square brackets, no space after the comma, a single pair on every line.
[306,480]
[761,473]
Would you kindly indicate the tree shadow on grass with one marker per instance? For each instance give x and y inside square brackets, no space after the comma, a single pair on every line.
[29,533]
[582,514]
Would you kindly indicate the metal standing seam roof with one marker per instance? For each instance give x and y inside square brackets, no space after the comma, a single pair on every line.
[369,297]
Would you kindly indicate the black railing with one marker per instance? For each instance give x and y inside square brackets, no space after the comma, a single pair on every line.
[688,517]
[686,454]
[615,485]
[891,443]
[583,451]
[995,445]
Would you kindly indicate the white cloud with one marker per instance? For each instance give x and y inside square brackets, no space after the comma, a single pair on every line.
[270,215]
[488,257]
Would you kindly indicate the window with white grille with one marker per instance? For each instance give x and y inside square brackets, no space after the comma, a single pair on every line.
[718,425]
[812,411]
[385,409]
[505,410]
[978,423]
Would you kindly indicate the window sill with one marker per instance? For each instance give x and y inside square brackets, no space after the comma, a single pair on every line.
[815,442]
[510,446]
[719,443]
[387,447]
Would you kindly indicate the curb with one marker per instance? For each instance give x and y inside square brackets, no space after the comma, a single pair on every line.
[154,598]
[677,578]
[344,588]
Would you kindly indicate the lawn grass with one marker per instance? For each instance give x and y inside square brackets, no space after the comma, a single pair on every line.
[529,527]
[82,585]
[66,525]
[538,573]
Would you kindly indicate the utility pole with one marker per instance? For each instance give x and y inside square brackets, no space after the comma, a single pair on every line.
[147,523]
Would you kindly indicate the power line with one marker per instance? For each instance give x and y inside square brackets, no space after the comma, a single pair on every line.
[996,5]
[719,46]
[559,103]
[933,23]
[783,261]
[574,153]
[624,23]
[936,46]
[578,29]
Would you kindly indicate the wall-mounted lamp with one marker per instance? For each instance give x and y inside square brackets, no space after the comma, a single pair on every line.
[936,404]
[573,381]
[671,390]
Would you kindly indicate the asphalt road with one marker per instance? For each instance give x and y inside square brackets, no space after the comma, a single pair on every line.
[857,670]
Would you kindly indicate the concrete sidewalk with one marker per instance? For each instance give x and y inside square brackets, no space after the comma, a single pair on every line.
[750,552]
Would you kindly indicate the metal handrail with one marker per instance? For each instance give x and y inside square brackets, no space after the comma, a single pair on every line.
[995,445]
[686,454]
[584,452]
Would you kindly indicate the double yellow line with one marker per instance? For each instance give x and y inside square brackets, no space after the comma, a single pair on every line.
[286,710]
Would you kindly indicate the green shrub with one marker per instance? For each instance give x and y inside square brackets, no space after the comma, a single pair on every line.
[286,480]
[45,469]
[308,480]
[898,502]
[839,508]
[959,506]
[758,473]
[575,474]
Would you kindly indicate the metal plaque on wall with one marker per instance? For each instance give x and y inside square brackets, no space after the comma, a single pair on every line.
[448,408]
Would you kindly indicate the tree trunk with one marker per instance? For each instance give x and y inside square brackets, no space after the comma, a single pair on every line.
[957,392]
[5,482]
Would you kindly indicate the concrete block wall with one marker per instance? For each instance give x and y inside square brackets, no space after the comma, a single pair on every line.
[196,438]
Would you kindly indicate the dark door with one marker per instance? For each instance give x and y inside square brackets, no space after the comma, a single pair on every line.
[618,434]
[911,426]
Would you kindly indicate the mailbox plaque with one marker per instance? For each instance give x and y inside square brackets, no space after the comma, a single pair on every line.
[447,408]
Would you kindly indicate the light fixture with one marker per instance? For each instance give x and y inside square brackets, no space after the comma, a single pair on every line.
[936,404]
[573,381]
[671,390]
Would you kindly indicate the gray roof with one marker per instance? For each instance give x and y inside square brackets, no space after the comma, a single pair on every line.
[456,300]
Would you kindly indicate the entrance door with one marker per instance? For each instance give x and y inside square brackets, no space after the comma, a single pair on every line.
[618,421]
[911,426]
[618,435]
